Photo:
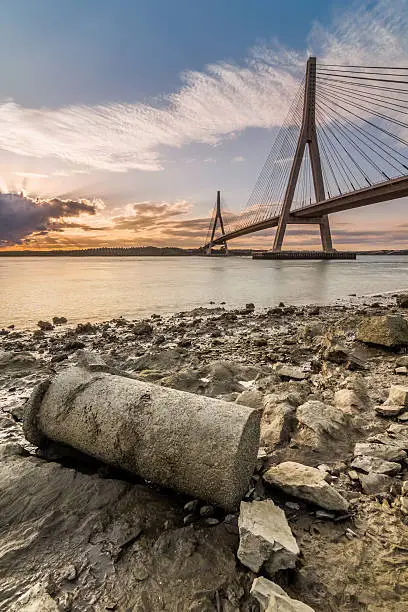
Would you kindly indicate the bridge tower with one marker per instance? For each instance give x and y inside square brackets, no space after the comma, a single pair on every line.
[218,219]
[307,136]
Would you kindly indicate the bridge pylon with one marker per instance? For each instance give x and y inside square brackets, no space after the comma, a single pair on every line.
[217,220]
[307,136]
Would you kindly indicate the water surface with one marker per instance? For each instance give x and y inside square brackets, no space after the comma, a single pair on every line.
[101,288]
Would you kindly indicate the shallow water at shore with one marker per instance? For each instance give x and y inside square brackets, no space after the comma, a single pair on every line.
[100,288]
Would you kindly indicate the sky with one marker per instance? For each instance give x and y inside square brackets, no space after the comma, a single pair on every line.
[120,120]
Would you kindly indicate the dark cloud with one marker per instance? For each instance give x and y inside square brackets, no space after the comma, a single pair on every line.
[22,216]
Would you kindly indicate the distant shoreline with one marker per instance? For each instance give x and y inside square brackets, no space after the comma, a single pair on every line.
[150,251]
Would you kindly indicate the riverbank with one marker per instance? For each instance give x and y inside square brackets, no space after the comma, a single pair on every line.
[81,535]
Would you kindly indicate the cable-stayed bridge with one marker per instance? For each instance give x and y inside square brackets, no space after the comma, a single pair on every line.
[343,144]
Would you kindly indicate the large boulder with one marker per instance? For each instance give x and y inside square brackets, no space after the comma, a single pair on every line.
[266,540]
[272,598]
[307,483]
[389,331]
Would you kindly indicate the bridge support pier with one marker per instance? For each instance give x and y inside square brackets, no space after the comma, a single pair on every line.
[217,219]
[307,136]
[325,234]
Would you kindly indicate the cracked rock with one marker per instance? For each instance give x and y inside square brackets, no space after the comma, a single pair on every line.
[266,539]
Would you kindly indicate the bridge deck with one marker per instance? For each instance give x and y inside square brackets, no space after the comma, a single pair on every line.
[388,190]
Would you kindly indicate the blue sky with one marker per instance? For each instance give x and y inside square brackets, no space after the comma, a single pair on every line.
[93,51]
[145,108]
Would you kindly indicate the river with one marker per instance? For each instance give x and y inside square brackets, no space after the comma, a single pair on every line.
[101,288]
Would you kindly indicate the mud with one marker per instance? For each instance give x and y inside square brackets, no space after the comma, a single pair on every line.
[76,534]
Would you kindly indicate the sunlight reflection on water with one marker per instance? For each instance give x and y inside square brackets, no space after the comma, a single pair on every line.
[100,288]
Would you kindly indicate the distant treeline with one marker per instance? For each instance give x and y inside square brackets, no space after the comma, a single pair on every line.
[149,251]
[146,251]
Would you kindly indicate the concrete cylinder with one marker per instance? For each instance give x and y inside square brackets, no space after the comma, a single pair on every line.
[197,445]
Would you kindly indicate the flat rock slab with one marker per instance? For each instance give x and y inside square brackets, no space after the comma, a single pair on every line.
[272,598]
[266,540]
[291,372]
[376,465]
[388,452]
[307,483]
[388,411]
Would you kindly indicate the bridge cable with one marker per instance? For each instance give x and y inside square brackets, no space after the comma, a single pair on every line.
[365,134]
[349,136]
[332,151]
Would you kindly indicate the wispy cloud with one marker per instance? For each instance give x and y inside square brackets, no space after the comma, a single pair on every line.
[148,215]
[35,175]
[224,99]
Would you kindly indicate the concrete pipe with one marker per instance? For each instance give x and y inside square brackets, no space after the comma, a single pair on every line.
[197,445]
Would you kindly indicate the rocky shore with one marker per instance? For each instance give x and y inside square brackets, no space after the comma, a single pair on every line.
[324,524]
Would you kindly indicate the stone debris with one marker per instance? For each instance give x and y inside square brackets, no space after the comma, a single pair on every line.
[142,329]
[374,464]
[91,361]
[388,411]
[388,452]
[277,422]
[347,399]
[373,484]
[398,396]
[389,330]
[402,300]
[290,372]
[402,361]
[45,325]
[336,354]
[251,398]
[272,598]
[265,539]
[59,320]
[307,483]
[124,545]
[320,425]
[10,360]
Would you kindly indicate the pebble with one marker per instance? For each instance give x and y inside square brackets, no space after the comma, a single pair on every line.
[211,521]
[292,505]
[325,515]
[206,511]
[192,505]
[187,520]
